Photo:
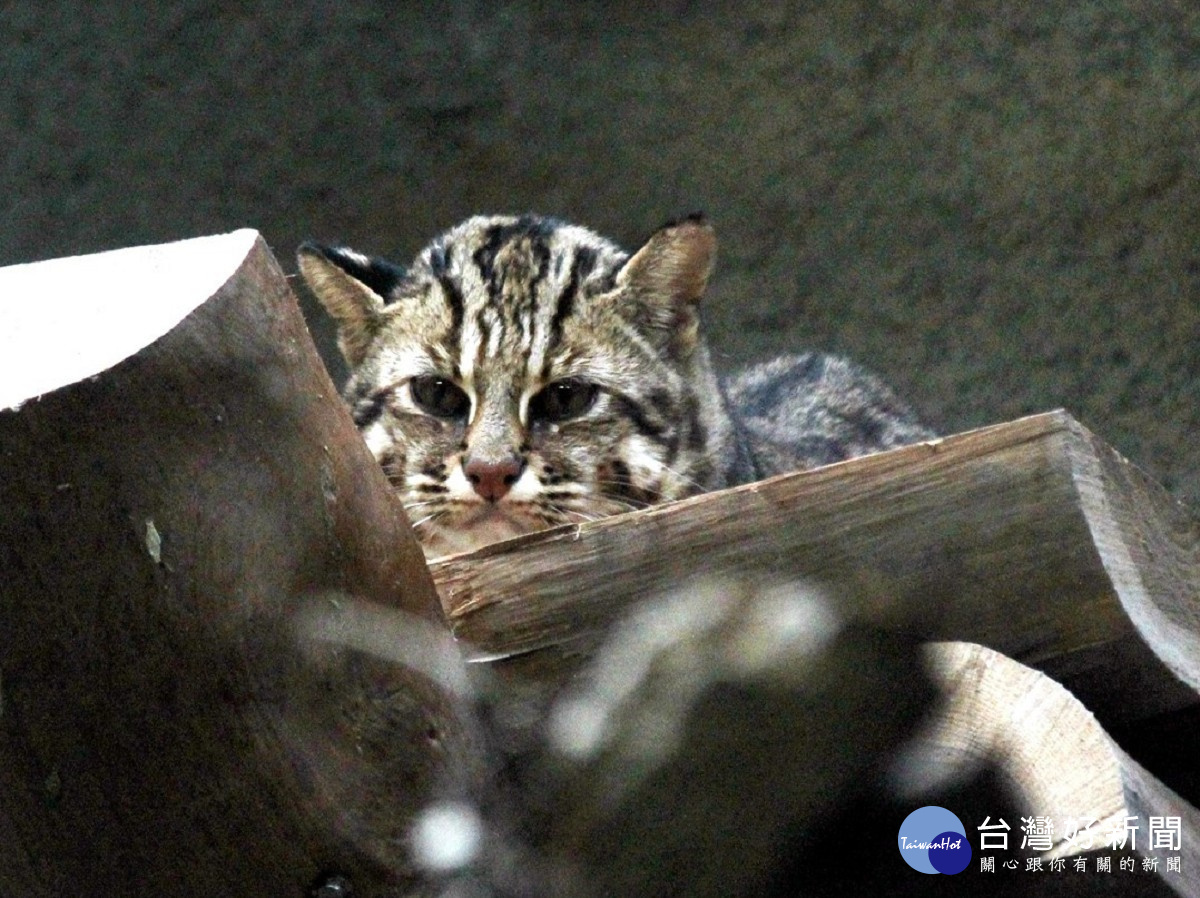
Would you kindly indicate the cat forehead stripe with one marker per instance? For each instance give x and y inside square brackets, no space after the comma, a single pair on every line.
[515,280]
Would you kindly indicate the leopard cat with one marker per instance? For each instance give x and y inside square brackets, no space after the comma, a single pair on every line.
[525,372]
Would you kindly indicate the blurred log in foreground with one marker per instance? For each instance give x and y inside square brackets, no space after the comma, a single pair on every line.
[1032,537]
[738,739]
[716,731]
[200,569]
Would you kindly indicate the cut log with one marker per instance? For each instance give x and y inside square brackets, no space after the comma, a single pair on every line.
[1059,761]
[223,667]
[1032,538]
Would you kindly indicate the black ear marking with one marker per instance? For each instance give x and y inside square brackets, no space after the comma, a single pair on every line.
[353,288]
[698,218]
[378,275]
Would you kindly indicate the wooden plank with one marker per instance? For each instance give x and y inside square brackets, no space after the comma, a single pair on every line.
[1030,537]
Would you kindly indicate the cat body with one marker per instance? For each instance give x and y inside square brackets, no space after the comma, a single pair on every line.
[524,372]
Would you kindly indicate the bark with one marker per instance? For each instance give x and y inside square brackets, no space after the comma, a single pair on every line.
[223,668]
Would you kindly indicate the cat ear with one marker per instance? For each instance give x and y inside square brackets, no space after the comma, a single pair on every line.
[667,277]
[353,288]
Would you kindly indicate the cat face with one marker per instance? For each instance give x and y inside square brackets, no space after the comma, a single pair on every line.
[524,372]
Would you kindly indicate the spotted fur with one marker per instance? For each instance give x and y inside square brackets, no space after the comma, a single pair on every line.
[524,372]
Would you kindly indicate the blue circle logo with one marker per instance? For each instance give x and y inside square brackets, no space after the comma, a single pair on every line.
[933,840]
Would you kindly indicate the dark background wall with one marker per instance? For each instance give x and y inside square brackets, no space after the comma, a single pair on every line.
[994,205]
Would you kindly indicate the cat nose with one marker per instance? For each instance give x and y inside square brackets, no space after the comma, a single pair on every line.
[493,479]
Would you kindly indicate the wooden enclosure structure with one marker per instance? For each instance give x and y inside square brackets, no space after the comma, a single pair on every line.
[225,667]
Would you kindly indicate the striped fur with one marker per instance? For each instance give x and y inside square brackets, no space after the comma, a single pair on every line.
[524,372]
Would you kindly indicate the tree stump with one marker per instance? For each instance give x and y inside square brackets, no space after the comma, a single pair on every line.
[223,666]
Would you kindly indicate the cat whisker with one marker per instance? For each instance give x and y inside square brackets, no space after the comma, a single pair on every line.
[630,501]
[626,507]
[425,520]
[690,481]
[579,513]
[409,506]
[561,509]
[589,515]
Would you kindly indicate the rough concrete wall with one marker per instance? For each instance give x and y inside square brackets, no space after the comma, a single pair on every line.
[995,205]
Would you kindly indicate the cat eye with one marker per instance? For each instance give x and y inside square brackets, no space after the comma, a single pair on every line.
[563,400]
[439,397]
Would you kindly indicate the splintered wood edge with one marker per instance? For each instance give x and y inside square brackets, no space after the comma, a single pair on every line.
[1052,749]
[64,320]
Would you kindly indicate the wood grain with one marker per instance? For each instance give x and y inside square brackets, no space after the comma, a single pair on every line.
[1058,760]
[1030,537]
